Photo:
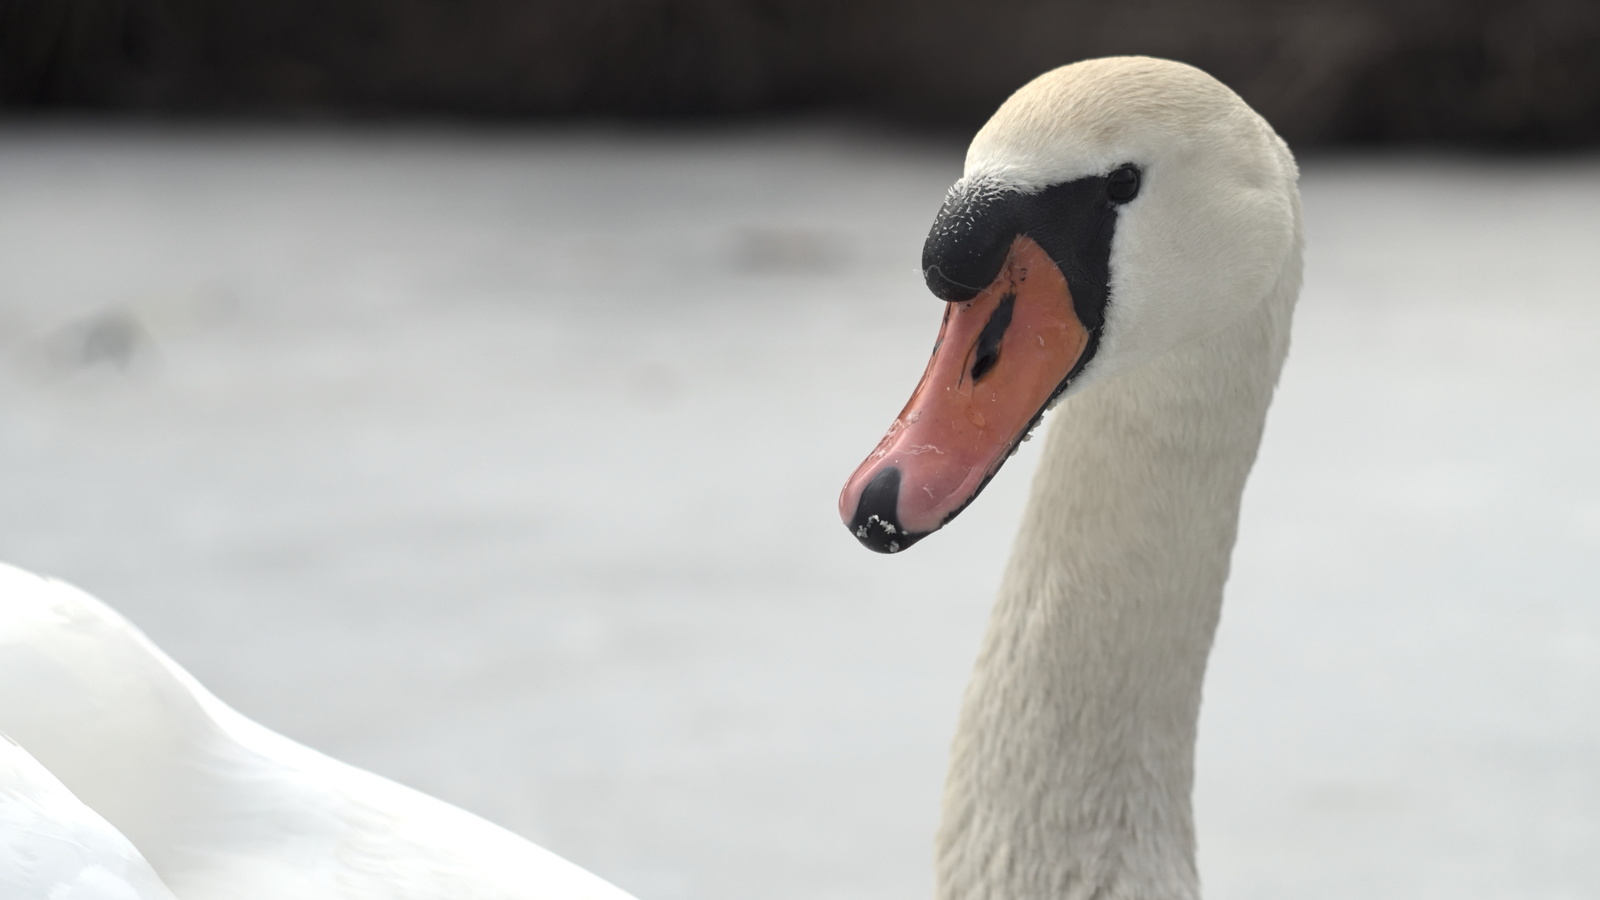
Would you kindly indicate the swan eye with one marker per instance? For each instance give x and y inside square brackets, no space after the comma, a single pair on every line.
[1123,184]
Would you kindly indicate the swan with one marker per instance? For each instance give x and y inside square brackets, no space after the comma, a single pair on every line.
[221,807]
[1123,243]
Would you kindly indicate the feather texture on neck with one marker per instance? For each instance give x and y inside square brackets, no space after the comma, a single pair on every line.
[1073,762]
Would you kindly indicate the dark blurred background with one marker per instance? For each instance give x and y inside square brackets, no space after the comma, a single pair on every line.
[1505,73]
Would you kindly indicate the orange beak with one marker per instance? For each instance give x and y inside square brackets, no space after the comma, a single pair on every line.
[1000,359]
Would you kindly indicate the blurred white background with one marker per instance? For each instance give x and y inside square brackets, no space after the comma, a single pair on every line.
[504,464]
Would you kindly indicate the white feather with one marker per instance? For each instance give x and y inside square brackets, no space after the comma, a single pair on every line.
[53,847]
[223,808]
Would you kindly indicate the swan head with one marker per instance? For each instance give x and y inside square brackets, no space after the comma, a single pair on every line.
[1112,211]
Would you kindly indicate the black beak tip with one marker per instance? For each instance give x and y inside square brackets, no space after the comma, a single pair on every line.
[876,524]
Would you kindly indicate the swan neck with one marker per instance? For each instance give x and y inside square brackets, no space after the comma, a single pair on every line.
[1073,763]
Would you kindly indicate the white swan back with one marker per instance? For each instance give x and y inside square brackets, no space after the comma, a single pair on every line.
[53,846]
[222,807]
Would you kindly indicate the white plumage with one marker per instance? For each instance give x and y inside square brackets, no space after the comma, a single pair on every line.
[53,847]
[223,808]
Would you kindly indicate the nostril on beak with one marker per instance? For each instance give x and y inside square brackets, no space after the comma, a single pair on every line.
[876,523]
[946,288]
